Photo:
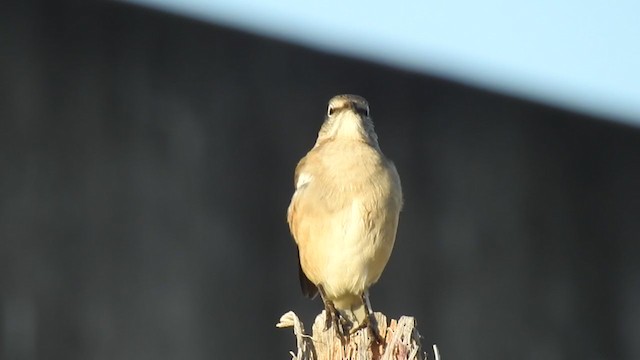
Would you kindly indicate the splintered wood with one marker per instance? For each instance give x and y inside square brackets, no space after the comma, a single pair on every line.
[401,340]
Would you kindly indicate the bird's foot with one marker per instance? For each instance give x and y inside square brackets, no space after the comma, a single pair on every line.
[332,316]
[334,319]
[341,325]
[372,326]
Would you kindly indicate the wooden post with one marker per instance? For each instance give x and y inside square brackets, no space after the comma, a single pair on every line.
[401,341]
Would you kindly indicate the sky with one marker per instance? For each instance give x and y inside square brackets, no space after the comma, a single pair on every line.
[578,55]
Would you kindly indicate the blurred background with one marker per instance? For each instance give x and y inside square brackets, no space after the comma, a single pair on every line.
[147,151]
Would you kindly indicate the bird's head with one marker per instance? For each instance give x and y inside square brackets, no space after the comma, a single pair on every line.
[348,118]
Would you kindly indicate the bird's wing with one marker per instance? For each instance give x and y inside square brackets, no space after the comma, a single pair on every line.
[309,289]
[301,179]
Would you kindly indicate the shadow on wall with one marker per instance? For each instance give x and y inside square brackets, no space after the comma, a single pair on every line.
[147,164]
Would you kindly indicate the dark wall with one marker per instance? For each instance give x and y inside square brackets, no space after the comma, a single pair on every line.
[146,165]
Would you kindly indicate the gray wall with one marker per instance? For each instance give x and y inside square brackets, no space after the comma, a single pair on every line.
[146,165]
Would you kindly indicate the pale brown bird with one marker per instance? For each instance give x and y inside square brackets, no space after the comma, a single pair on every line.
[344,213]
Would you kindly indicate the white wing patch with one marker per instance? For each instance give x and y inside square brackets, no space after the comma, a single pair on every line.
[303,179]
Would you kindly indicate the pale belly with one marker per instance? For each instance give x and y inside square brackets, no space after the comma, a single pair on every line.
[349,250]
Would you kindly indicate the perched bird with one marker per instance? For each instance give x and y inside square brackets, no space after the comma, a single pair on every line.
[344,214]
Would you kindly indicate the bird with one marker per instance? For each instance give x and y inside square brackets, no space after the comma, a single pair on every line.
[344,213]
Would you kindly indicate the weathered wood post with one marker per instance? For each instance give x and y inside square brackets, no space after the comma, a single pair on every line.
[401,341]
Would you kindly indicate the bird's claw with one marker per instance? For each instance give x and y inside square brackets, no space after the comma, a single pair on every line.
[369,323]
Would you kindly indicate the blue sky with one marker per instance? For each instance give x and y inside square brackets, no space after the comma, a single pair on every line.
[579,55]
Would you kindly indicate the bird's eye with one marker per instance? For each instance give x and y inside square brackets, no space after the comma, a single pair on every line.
[364,111]
[330,110]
